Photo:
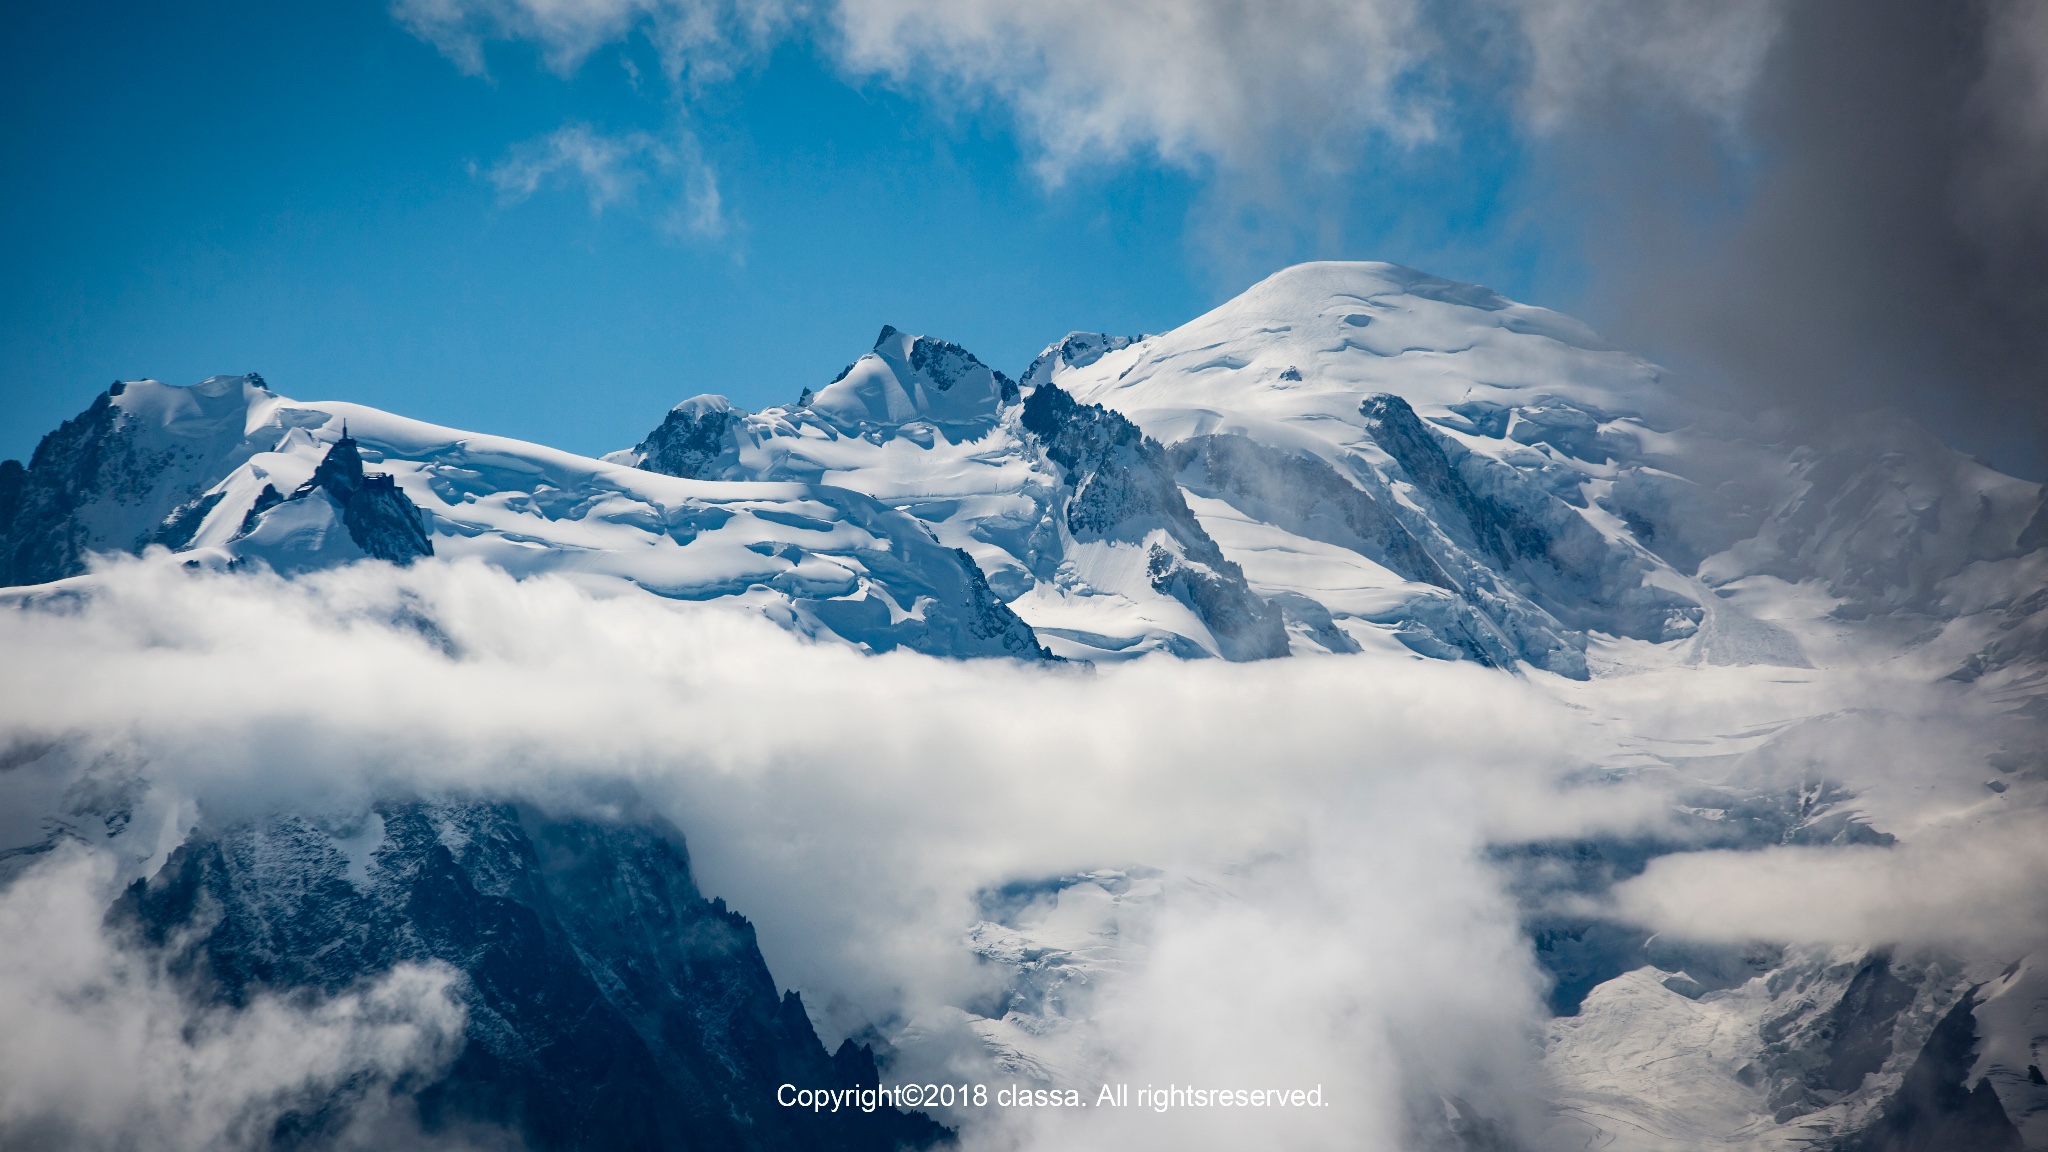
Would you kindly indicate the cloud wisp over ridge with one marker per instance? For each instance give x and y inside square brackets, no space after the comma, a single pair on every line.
[701,40]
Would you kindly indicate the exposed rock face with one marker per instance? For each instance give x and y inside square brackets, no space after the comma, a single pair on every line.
[382,521]
[1121,487]
[130,471]
[41,538]
[1077,350]
[695,442]
[913,379]
[946,364]
[1935,1108]
[610,1006]
[991,621]
[1528,534]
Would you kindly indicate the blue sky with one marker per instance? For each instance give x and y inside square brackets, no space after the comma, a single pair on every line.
[306,191]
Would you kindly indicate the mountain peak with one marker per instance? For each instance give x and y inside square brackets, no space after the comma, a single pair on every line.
[909,378]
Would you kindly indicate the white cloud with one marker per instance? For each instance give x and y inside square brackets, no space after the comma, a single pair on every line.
[1192,81]
[697,39]
[1978,887]
[632,169]
[854,806]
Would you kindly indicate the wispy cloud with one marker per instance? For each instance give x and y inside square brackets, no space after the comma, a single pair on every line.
[1190,81]
[666,176]
[1980,887]
[700,40]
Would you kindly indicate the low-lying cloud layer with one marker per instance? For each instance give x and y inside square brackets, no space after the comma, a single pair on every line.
[1334,917]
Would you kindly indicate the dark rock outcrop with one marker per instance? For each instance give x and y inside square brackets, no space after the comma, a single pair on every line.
[41,538]
[609,1005]
[988,619]
[1525,533]
[1121,487]
[383,521]
[133,470]
[697,440]
[1076,350]
[13,488]
[944,363]
[1935,1108]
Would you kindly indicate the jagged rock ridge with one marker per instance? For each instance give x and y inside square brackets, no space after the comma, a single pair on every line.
[609,1005]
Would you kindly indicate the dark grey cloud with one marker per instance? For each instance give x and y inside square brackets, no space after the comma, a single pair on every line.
[1874,232]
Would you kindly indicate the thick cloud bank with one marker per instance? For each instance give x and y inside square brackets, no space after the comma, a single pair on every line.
[1325,908]
[1890,233]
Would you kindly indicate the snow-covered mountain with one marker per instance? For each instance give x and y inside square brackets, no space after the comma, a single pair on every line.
[1347,457]
[227,472]
[1348,460]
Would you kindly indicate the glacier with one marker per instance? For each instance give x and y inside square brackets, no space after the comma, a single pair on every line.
[1346,457]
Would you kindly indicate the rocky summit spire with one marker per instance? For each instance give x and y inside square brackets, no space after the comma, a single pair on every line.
[339,472]
[382,520]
